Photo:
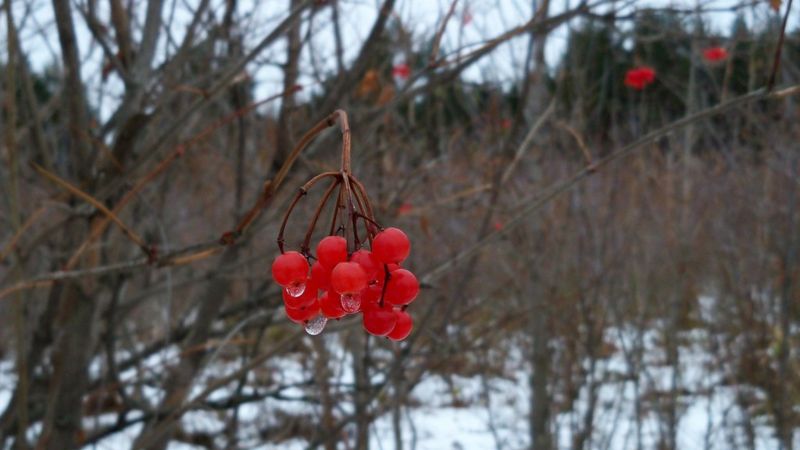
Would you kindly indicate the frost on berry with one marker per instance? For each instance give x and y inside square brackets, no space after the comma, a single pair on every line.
[295,289]
[290,268]
[316,325]
[307,297]
[356,264]
[351,302]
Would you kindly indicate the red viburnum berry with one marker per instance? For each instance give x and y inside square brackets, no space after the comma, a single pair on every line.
[391,246]
[371,294]
[379,321]
[402,288]
[404,208]
[290,269]
[715,54]
[348,278]
[332,250]
[308,296]
[403,326]
[639,77]
[300,315]
[331,306]
[401,70]
[321,276]
[368,262]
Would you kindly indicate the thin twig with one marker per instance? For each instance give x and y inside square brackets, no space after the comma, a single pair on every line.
[778,49]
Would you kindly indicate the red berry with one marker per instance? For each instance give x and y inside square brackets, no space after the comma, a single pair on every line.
[379,321]
[290,268]
[331,306]
[639,77]
[332,250]
[368,262]
[391,246]
[715,54]
[300,315]
[321,276]
[402,288]
[306,298]
[348,278]
[403,326]
[371,294]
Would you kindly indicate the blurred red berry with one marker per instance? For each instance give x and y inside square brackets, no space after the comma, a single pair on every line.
[466,17]
[401,71]
[391,246]
[290,268]
[404,209]
[639,77]
[715,54]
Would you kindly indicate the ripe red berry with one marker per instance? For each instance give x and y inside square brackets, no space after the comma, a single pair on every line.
[321,276]
[348,278]
[290,268]
[402,288]
[639,77]
[401,71]
[371,294]
[715,54]
[403,326]
[368,262]
[391,246]
[331,306]
[332,250]
[300,315]
[379,321]
[308,296]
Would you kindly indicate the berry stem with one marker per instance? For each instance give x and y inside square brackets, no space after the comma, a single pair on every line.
[317,213]
[366,207]
[270,186]
[300,194]
[336,210]
[345,127]
[388,276]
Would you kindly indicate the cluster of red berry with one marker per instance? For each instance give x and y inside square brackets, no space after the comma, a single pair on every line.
[639,77]
[345,277]
[367,282]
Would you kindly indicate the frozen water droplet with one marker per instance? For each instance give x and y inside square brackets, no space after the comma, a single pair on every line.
[351,302]
[296,290]
[316,325]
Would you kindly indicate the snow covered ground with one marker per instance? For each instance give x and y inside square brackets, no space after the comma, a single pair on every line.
[492,415]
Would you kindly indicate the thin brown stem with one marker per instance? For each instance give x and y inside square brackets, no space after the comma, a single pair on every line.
[778,49]
[311,226]
[270,186]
